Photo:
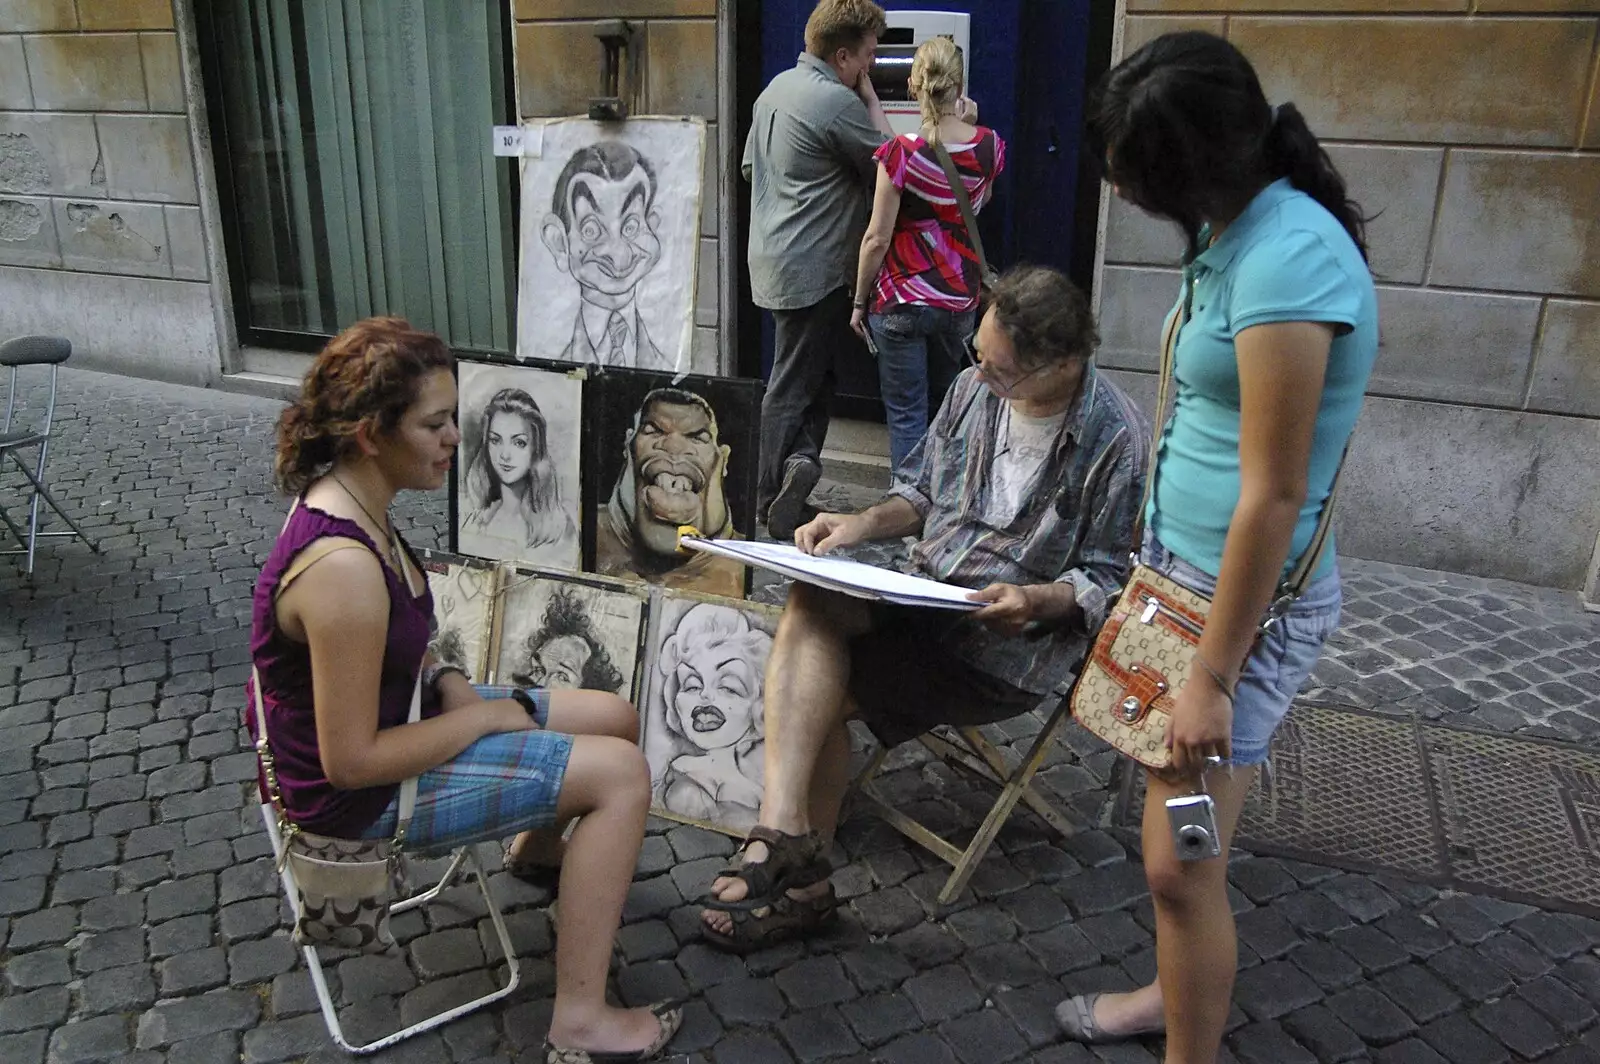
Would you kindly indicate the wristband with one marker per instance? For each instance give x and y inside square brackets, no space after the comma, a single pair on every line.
[522,698]
[432,674]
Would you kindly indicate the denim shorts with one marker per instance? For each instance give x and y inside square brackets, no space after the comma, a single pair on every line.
[500,785]
[1281,659]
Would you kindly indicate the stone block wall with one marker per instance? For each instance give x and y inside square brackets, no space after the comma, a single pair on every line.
[677,72]
[98,182]
[1471,130]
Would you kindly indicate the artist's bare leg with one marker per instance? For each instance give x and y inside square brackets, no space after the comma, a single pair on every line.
[1197,948]
[607,789]
[575,713]
[807,704]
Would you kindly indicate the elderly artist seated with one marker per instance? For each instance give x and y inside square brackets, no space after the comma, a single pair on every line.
[1023,488]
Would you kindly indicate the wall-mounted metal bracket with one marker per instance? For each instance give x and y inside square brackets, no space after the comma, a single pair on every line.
[617,65]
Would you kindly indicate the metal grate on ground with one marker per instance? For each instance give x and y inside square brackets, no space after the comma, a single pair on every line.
[1518,818]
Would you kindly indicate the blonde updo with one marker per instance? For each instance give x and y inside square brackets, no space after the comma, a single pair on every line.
[937,74]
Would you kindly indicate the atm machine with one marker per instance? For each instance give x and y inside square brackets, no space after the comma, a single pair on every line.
[891,73]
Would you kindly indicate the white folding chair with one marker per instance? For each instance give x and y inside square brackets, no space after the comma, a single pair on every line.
[464,858]
[14,354]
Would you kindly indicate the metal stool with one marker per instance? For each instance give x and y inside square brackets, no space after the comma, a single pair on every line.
[34,351]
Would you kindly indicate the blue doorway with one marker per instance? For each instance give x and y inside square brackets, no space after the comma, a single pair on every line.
[1029,72]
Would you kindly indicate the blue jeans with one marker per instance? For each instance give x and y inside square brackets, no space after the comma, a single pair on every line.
[1281,659]
[919,354]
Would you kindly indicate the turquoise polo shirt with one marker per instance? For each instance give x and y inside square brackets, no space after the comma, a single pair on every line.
[1285,258]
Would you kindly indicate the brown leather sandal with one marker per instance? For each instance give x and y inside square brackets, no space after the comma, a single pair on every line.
[792,862]
[786,917]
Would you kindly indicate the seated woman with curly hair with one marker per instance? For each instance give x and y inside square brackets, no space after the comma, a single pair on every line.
[339,655]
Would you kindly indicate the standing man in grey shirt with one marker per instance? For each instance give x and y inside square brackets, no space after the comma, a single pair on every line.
[809,160]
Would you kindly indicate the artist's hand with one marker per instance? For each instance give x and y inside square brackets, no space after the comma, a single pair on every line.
[1009,608]
[967,110]
[827,532]
[1201,725]
[858,323]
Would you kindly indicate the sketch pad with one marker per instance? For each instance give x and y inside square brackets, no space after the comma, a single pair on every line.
[840,574]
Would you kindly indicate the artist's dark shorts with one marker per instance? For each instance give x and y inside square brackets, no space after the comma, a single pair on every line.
[905,681]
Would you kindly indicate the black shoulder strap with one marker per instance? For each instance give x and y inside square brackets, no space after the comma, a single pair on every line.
[958,188]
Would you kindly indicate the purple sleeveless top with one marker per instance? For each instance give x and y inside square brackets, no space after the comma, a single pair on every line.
[285,668]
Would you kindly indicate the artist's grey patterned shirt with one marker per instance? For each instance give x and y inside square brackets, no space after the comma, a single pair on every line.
[1076,528]
[809,163]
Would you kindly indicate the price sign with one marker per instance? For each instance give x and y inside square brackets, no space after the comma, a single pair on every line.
[508,140]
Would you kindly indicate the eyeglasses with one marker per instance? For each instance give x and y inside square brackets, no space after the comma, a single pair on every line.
[1003,387]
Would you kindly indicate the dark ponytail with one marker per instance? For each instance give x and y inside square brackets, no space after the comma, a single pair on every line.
[1293,151]
[1186,133]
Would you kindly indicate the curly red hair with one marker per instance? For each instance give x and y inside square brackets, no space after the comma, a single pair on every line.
[369,374]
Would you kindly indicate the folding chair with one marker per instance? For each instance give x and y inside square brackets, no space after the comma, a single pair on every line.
[966,748]
[464,858]
[34,351]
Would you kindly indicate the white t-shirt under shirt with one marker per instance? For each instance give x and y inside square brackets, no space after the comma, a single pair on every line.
[1020,453]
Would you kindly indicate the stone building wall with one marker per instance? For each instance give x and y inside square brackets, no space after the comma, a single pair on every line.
[1471,129]
[100,223]
[678,73]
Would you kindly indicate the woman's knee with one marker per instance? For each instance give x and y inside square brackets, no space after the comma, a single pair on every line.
[1176,885]
[616,716]
[605,768]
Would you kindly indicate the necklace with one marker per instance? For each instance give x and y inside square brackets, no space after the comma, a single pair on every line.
[387,526]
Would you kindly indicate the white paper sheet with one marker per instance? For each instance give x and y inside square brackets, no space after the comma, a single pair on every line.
[841,574]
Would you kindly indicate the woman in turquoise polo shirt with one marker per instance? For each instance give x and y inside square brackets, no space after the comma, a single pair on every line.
[1271,366]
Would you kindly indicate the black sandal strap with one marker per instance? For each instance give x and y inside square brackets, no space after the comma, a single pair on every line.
[792,862]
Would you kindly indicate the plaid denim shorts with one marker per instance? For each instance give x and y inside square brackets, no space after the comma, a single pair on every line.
[1281,660]
[498,786]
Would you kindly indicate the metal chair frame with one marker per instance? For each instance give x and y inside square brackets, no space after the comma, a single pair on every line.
[965,748]
[34,351]
[464,859]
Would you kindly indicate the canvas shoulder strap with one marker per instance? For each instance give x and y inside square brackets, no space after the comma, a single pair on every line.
[958,188]
[311,555]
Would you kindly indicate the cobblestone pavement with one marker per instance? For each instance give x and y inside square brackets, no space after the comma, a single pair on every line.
[141,919]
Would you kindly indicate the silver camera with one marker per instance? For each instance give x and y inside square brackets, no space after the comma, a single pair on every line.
[1194,827]
[1194,821]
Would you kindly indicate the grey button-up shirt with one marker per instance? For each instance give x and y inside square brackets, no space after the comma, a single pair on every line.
[809,162]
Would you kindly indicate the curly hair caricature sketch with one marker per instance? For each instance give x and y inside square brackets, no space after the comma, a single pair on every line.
[573,633]
[567,652]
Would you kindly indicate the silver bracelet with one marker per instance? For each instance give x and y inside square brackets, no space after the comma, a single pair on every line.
[1216,677]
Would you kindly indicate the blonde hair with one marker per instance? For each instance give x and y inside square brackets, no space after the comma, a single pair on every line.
[937,73]
[836,24]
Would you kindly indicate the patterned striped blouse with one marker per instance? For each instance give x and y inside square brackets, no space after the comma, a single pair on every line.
[931,261]
[1077,527]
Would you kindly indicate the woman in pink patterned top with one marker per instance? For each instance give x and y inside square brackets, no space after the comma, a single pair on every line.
[918,273]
